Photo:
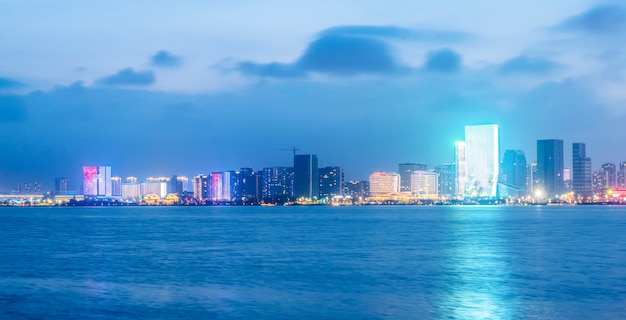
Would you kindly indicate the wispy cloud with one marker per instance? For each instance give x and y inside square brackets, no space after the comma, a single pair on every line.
[394,32]
[128,76]
[525,64]
[602,19]
[165,59]
[443,60]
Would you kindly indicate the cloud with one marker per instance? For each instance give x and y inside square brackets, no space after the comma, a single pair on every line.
[443,60]
[393,32]
[128,76]
[165,59]
[603,19]
[274,69]
[9,83]
[524,64]
[348,51]
[347,56]
[331,54]
[11,109]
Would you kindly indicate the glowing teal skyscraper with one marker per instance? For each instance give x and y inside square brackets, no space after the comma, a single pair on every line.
[482,160]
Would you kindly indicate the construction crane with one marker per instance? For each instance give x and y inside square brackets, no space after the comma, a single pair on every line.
[294,149]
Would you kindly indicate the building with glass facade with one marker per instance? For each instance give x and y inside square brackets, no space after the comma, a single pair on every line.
[582,176]
[405,170]
[425,184]
[306,176]
[550,167]
[482,160]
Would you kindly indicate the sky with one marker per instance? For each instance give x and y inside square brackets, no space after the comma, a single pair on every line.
[156,88]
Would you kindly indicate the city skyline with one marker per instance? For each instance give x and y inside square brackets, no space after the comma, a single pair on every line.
[202,87]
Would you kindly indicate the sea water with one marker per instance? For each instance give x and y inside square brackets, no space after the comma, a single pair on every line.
[313,262]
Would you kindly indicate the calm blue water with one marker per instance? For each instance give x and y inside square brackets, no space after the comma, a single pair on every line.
[396,262]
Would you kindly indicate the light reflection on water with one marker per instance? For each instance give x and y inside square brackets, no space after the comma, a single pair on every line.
[476,268]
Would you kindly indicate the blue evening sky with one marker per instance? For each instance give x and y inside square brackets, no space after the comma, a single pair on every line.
[162,87]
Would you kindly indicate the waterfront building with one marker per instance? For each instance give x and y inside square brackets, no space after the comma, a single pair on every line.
[357,189]
[330,182]
[154,187]
[609,176]
[131,191]
[277,183]
[531,178]
[447,179]
[177,185]
[550,167]
[61,186]
[202,187]
[582,178]
[217,186]
[306,176]
[183,184]
[460,167]
[384,183]
[248,185]
[405,170]
[597,182]
[116,186]
[621,175]
[482,162]
[514,170]
[97,181]
[424,184]
[229,185]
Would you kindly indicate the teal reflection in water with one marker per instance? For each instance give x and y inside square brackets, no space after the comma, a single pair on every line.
[476,267]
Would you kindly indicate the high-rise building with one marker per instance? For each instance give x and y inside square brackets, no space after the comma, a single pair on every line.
[597,179]
[609,176]
[550,166]
[116,186]
[384,183]
[202,187]
[217,186]
[37,187]
[182,184]
[331,182]
[460,167]
[482,160]
[229,185]
[305,176]
[61,186]
[621,175]
[247,185]
[405,170]
[531,178]
[582,181]
[97,181]
[424,184]
[131,179]
[447,179]
[277,183]
[514,169]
